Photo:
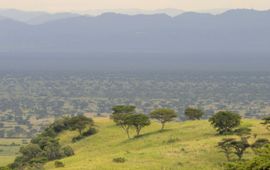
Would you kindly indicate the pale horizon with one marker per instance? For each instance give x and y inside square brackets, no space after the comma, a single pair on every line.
[86,5]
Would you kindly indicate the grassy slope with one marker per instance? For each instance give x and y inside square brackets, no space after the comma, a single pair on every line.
[195,147]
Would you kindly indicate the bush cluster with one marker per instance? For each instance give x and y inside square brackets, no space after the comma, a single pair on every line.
[91,131]
[45,147]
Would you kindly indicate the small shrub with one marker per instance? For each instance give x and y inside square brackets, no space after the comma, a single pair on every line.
[77,138]
[59,164]
[67,151]
[119,160]
[180,164]
[91,131]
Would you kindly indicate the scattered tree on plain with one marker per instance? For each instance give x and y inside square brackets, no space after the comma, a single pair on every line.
[122,120]
[232,146]
[240,146]
[138,121]
[163,116]
[225,121]
[121,115]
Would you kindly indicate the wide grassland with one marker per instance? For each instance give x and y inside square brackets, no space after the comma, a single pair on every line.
[182,146]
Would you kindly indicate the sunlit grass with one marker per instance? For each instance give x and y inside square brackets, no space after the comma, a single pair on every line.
[183,145]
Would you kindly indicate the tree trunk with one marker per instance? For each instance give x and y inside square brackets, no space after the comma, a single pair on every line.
[127,131]
[138,131]
[162,126]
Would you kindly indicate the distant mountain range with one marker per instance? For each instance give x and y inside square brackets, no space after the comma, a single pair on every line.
[33,17]
[36,17]
[234,35]
[169,11]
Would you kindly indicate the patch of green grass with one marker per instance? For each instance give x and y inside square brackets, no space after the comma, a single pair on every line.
[9,149]
[188,145]
[5,160]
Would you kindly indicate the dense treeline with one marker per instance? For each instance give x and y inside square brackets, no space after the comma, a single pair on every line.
[26,96]
[46,147]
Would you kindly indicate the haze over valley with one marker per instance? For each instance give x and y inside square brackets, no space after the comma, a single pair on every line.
[236,39]
[128,85]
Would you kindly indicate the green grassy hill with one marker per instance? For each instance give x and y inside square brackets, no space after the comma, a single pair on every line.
[183,145]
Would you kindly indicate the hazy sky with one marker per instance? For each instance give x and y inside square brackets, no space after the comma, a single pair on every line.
[82,5]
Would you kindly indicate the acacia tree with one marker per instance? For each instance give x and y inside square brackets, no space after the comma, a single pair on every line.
[240,147]
[237,147]
[225,121]
[226,147]
[260,162]
[163,116]
[193,114]
[138,121]
[122,120]
[121,115]
[80,123]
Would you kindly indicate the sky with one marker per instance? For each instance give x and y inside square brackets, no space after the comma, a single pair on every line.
[84,5]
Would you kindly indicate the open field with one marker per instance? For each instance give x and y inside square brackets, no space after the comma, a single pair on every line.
[183,145]
[9,149]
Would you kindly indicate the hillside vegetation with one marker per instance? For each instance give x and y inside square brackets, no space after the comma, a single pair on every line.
[182,145]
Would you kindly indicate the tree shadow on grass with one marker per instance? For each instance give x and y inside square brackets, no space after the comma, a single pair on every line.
[145,135]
